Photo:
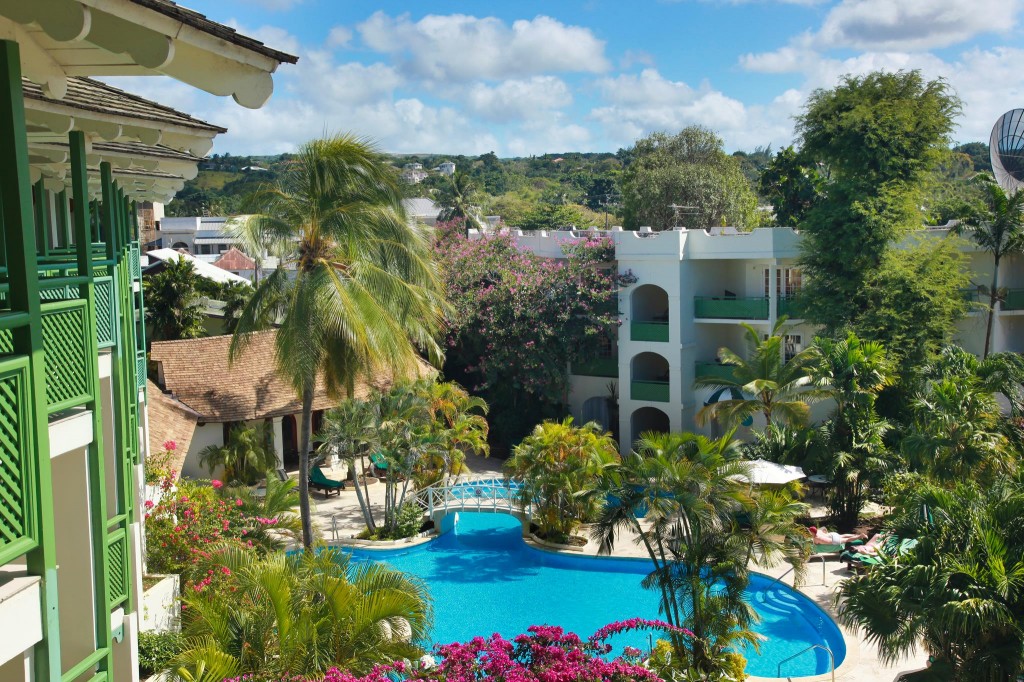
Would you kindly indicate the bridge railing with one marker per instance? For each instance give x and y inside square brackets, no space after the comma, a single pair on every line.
[475,492]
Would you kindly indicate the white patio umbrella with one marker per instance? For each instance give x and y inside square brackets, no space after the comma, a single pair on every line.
[763,472]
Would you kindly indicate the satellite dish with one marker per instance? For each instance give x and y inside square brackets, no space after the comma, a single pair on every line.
[1006,148]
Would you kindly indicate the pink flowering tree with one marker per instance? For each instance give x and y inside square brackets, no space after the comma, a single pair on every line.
[519,319]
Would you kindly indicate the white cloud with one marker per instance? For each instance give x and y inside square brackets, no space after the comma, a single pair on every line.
[339,36]
[639,104]
[910,25]
[460,47]
[322,81]
[513,100]
[277,5]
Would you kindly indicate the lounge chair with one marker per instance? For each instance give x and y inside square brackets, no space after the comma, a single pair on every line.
[892,547]
[319,481]
[380,464]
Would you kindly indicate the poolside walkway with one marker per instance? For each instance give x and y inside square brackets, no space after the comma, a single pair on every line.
[342,514]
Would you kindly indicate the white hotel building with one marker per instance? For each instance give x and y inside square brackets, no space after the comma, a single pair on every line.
[693,289]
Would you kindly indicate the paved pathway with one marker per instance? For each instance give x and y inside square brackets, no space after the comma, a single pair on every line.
[342,513]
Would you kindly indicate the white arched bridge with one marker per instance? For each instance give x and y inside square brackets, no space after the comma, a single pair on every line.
[476,493]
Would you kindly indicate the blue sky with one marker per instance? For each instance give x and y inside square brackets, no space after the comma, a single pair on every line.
[522,77]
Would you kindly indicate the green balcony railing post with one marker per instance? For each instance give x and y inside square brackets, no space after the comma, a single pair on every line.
[654,391]
[643,330]
[713,370]
[597,367]
[27,340]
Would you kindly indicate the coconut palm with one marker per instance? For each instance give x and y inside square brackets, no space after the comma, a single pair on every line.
[258,239]
[778,387]
[1000,231]
[457,200]
[245,458]
[559,465]
[959,592]
[301,616]
[172,302]
[771,530]
[459,419]
[358,294]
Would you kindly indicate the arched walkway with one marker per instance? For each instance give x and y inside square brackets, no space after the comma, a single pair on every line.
[649,419]
[649,312]
[650,377]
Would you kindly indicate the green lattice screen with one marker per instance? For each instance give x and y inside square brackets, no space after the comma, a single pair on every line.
[65,330]
[15,459]
[6,342]
[105,320]
[136,263]
[117,567]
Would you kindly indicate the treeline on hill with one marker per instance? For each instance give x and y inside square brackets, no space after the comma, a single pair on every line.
[583,189]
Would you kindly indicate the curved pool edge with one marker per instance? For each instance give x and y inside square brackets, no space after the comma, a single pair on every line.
[850,640]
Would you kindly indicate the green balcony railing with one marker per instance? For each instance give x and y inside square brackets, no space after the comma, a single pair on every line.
[972,295]
[648,331]
[790,307]
[105,315]
[16,455]
[714,370]
[730,308]
[598,367]
[655,391]
[1014,300]
[65,354]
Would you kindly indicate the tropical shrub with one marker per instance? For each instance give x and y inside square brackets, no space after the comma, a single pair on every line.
[559,466]
[157,465]
[245,458]
[157,649]
[300,615]
[196,516]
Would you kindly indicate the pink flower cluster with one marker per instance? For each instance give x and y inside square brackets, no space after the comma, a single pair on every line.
[546,654]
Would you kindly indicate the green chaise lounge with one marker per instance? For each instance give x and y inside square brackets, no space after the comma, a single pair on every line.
[319,481]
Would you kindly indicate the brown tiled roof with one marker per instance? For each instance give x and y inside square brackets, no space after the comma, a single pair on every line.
[92,95]
[200,22]
[197,372]
[233,259]
[169,420]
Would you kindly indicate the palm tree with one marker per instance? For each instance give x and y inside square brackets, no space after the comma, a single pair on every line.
[245,458]
[364,296]
[257,239]
[350,430]
[302,615]
[778,386]
[461,422]
[1000,231]
[559,465]
[235,296]
[851,444]
[277,502]
[772,531]
[679,495]
[456,200]
[959,592]
[955,433]
[172,302]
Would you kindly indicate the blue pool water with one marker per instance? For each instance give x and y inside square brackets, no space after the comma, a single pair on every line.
[485,579]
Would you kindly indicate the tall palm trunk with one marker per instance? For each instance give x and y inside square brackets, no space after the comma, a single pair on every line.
[993,295]
[304,438]
[364,501]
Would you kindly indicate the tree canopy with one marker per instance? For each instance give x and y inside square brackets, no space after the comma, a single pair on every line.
[689,170]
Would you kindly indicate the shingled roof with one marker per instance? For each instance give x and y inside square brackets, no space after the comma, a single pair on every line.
[197,373]
[92,95]
[169,420]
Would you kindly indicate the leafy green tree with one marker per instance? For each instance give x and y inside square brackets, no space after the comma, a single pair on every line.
[300,615]
[235,296]
[877,135]
[460,422]
[999,229]
[559,466]
[245,458]
[172,302]
[792,185]
[364,295]
[688,170]
[779,388]
[914,300]
[549,216]
[959,592]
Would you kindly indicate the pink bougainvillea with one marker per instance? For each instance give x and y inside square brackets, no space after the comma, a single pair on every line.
[545,654]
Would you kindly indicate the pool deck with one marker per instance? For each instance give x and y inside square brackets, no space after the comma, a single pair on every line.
[861,665]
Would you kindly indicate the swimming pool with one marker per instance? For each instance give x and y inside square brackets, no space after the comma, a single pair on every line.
[485,579]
